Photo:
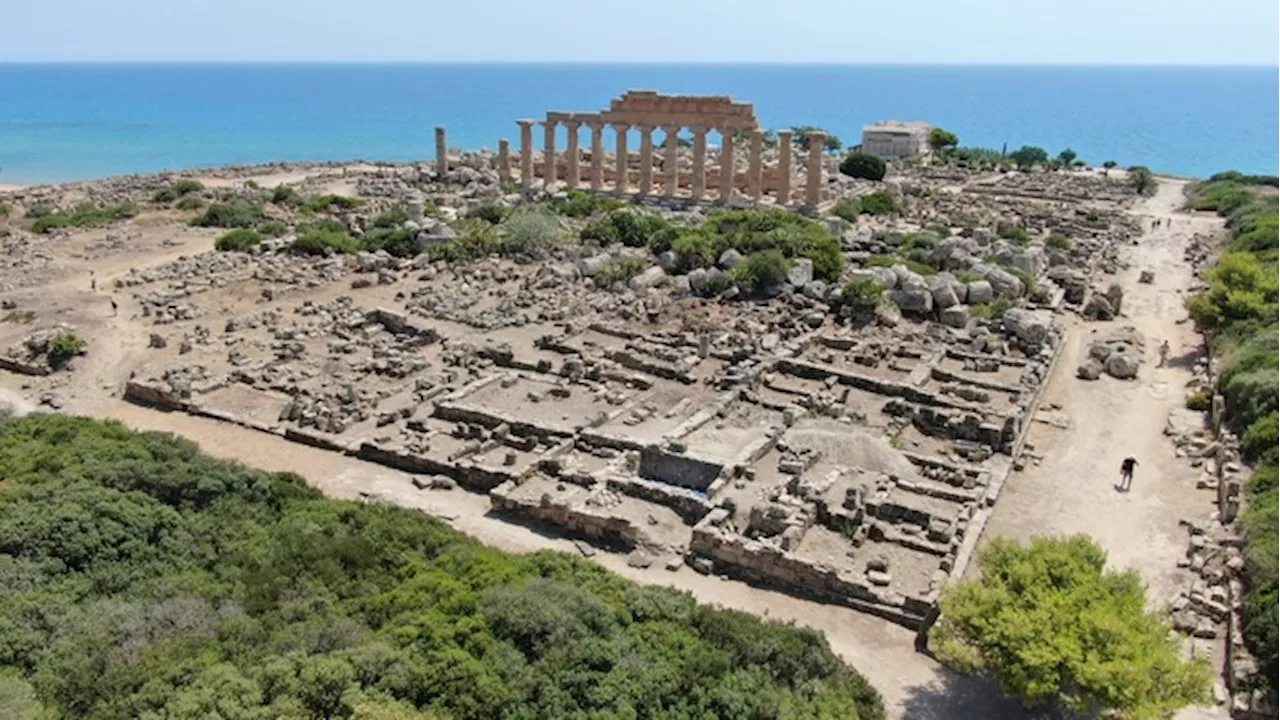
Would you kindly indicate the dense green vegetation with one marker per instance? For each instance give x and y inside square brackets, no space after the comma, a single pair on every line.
[1029,156]
[142,579]
[238,213]
[83,215]
[800,136]
[941,139]
[5,210]
[240,239]
[1237,314]
[879,202]
[63,347]
[177,189]
[1058,630]
[761,270]
[864,166]
[1142,180]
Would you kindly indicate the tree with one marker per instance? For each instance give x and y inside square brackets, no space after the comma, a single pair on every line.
[1067,158]
[1028,155]
[1059,631]
[940,139]
[1107,166]
[800,137]
[863,165]
[1144,183]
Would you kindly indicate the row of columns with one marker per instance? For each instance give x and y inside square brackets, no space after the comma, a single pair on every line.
[755,184]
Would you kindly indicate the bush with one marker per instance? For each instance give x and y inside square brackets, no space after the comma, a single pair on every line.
[967,276]
[530,234]
[82,215]
[240,239]
[188,203]
[1233,176]
[633,229]
[847,209]
[865,166]
[1201,400]
[1016,233]
[1223,198]
[239,213]
[5,210]
[1028,156]
[329,203]
[1242,295]
[63,347]
[273,228]
[879,202]
[620,270]
[993,310]
[476,239]
[323,241]
[1142,181]
[395,241]
[1261,439]
[1058,241]
[580,204]
[391,219]
[1057,629]
[177,189]
[760,271]
[863,295]
[940,139]
[488,211]
[286,196]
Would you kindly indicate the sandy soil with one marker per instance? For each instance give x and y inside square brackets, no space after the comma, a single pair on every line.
[1070,491]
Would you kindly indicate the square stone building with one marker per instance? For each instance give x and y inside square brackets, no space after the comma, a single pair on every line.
[896,139]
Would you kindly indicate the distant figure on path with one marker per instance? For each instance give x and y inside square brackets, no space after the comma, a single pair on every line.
[1164,352]
[115,307]
[1126,473]
[93,281]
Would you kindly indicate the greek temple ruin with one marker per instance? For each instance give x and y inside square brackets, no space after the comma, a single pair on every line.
[675,174]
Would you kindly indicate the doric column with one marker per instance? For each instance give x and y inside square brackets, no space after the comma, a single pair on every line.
[549,154]
[571,175]
[597,154]
[813,183]
[620,180]
[646,160]
[504,160]
[753,165]
[699,162]
[526,154]
[726,165]
[784,167]
[442,153]
[671,160]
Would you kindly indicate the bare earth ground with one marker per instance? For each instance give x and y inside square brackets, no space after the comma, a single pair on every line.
[1070,491]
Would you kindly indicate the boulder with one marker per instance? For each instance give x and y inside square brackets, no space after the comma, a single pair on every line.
[1099,308]
[956,316]
[815,289]
[650,277]
[1032,260]
[943,295]
[913,300]
[591,266]
[1004,283]
[980,292]
[801,272]
[706,282]
[1146,277]
[907,278]
[1029,326]
[1115,295]
[887,277]
[729,259]
[668,260]
[888,314]
[1123,365]
[1074,282]
[1090,369]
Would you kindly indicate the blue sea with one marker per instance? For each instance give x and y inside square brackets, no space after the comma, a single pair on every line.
[68,122]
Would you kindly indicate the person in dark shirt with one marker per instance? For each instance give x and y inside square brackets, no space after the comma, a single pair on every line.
[1126,472]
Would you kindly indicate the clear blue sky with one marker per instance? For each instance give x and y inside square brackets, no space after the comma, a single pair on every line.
[828,31]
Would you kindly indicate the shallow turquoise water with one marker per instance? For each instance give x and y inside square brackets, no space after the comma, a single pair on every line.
[63,122]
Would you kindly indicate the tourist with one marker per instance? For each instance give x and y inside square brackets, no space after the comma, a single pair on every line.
[115,307]
[1164,352]
[1126,472]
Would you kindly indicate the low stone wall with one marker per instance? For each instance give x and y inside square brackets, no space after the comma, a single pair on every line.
[682,470]
[690,506]
[22,368]
[153,396]
[461,413]
[766,565]
[609,529]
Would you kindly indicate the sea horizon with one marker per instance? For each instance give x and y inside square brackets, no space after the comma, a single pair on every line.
[82,120]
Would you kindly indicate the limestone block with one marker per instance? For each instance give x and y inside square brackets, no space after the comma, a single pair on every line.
[980,292]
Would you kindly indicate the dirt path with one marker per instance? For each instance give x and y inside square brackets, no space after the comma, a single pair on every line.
[1073,489]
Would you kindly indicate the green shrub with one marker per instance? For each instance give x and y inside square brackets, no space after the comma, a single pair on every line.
[882,260]
[240,239]
[760,271]
[922,240]
[1028,156]
[1261,439]
[1201,400]
[286,196]
[393,218]
[918,267]
[863,295]
[395,241]
[1028,280]
[189,202]
[5,210]
[273,228]
[993,310]
[862,165]
[1242,292]
[1143,182]
[847,209]
[82,215]
[1234,176]
[488,211]
[879,202]
[62,348]
[329,203]
[580,204]
[476,239]
[1058,241]
[239,213]
[620,270]
[967,276]
[323,241]
[1015,233]
[633,229]
[35,212]
[529,234]
[177,189]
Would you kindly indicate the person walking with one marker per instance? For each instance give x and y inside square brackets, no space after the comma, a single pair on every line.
[115,307]
[1126,473]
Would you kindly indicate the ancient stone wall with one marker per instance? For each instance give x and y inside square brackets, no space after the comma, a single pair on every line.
[682,470]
